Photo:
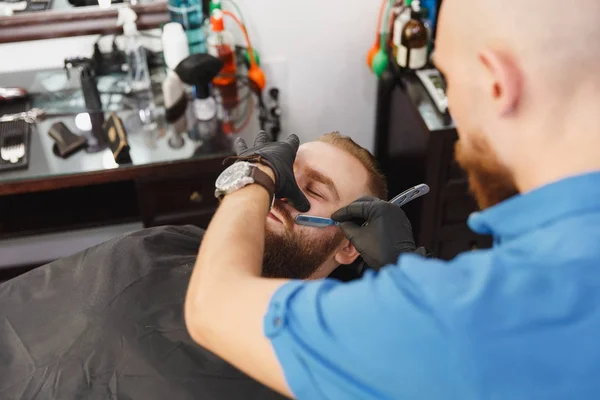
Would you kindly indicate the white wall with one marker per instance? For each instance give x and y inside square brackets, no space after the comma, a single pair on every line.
[314,49]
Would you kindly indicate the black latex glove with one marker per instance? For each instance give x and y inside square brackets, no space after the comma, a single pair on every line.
[379,230]
[280,156]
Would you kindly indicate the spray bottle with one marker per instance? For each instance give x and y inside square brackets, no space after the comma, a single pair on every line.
[138,75]
[199,70]
[222,46]
[189,14]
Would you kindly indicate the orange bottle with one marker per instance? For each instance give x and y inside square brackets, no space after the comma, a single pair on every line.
[220,44]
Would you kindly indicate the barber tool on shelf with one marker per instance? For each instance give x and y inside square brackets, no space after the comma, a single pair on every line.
[117,139]
[138,73]
[65,141]
[433,81]
[400,200]
[274,116]
[34,115]
[199,70]
[14,136]
[175,50]
[11,94]
[97,139]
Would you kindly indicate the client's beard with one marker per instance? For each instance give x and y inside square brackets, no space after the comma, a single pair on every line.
[294,255]
[489,181]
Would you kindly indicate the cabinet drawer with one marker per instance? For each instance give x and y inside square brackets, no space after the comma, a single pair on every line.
[68,209]
[456,209]
[177,200]
[455,171]
[457,239]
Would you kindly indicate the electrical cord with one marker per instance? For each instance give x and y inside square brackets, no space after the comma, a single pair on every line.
[243,29]
[245,82]
[246,117]
[237,10]
[375,48]
[256,75]
[382,10]
[385,27]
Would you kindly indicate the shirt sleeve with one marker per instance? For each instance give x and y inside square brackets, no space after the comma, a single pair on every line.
[384,336]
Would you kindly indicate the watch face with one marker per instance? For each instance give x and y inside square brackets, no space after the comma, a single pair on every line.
[232,176]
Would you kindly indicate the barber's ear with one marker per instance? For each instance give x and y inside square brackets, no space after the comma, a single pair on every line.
[504,80]
[346,254]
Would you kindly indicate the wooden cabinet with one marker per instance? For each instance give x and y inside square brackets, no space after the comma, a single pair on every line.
[179,200]
[180,192]
[413,147]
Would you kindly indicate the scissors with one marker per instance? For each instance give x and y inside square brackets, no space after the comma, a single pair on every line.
[403,198]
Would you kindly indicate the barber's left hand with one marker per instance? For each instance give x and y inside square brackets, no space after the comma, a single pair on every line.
[280,157]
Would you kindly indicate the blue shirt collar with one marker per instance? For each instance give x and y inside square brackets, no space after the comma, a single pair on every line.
[526,212]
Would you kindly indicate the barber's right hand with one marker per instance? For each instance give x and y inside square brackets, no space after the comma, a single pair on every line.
[379,230]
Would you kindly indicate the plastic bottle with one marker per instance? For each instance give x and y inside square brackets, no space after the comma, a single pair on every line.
[222,46]
[399,24]
[138,75]
[189,14]
[212,5]
[412,52]
[175,49]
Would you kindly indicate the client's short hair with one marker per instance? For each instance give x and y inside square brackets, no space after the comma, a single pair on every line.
[377,182]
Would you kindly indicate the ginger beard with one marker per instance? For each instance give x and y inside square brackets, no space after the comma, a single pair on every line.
[489,181]
[295,254]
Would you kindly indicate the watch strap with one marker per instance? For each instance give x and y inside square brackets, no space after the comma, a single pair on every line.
[265,181]
[254,158]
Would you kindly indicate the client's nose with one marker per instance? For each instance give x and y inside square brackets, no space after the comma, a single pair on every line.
[285,204]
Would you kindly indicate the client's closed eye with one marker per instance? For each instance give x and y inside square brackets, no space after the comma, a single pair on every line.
[313,193]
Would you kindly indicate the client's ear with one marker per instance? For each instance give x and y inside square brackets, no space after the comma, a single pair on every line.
[347,253]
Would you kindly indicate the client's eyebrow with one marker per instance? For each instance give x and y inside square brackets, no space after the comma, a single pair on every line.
[319,177]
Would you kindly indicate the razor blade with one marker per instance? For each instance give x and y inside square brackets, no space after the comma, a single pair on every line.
[403,198]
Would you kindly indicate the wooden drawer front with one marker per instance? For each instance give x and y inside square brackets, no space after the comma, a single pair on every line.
[178,200]
[67,209]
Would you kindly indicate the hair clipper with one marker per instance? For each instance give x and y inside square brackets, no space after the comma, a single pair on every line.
[93,102]
[117,139]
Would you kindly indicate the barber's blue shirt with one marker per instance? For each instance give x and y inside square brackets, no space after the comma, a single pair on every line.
[519,321]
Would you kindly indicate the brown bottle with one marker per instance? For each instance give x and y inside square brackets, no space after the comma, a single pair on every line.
[412,52]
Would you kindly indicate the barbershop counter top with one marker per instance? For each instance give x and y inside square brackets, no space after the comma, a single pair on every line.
[145,150]
[53,91]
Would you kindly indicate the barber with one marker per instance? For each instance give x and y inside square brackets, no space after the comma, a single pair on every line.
[518,321]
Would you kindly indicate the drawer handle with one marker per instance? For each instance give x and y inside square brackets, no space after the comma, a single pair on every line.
[196,197]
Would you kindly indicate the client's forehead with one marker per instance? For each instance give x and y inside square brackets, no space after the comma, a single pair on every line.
[348,174]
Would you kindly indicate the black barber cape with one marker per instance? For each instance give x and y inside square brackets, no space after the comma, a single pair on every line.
[107,323]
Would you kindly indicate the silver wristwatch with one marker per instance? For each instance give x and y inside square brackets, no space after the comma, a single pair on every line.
[242,174]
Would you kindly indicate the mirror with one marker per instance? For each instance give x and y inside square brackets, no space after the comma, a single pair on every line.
[48,19]
[18,7]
